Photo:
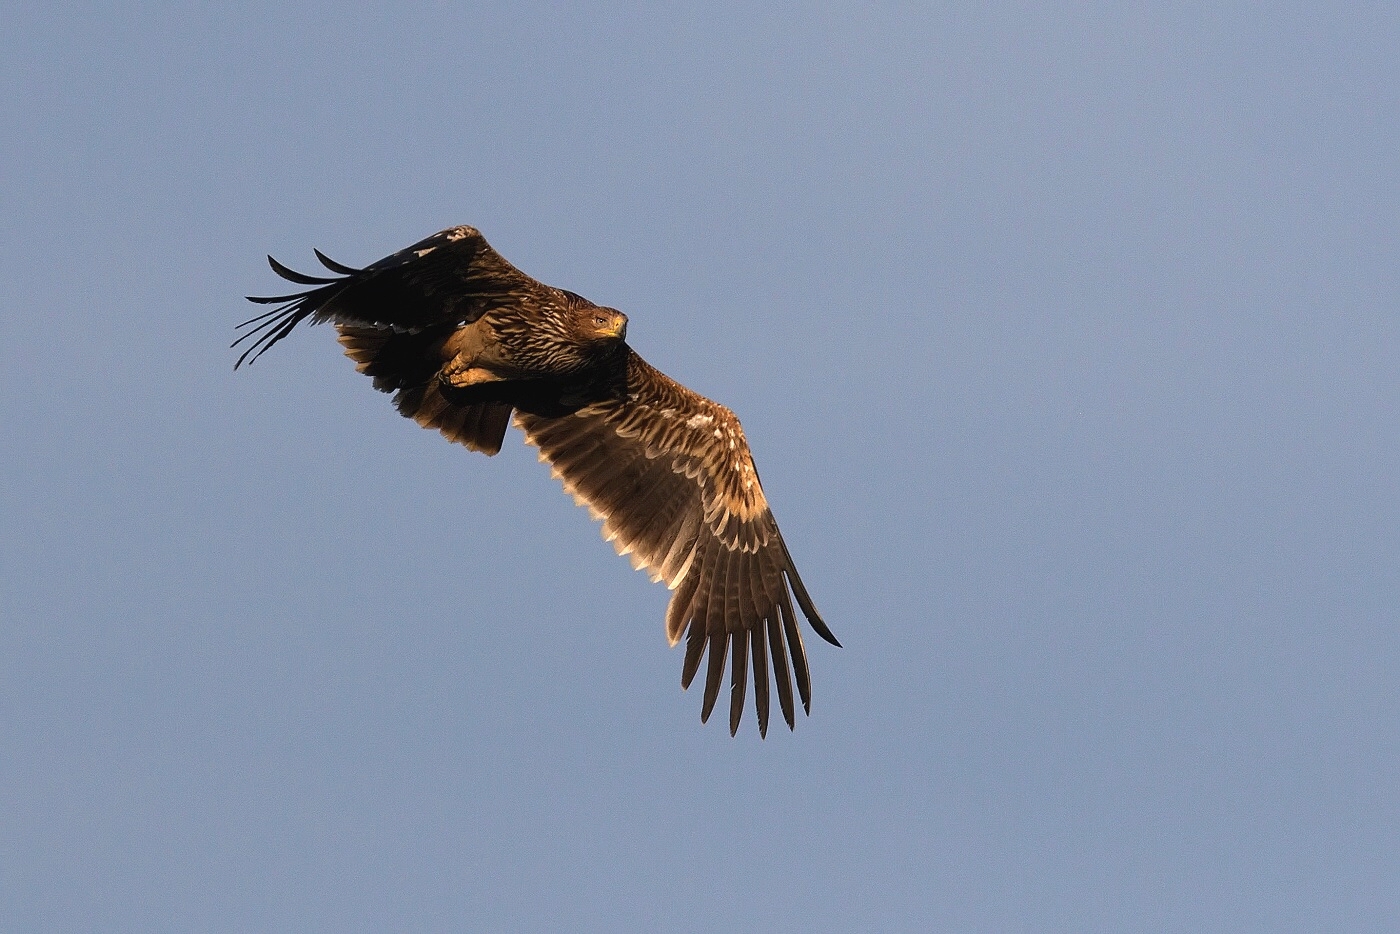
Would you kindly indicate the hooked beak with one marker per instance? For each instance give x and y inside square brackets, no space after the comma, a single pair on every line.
[618,326]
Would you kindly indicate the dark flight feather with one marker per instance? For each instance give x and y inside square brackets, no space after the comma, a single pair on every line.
[333,266]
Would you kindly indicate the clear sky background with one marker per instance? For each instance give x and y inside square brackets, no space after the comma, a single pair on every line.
[1067,340]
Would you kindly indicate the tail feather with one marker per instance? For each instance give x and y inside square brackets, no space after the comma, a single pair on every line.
[407,365]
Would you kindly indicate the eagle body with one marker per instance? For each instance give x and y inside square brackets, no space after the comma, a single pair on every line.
[468,344]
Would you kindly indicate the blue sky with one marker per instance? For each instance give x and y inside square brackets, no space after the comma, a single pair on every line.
[1066,339]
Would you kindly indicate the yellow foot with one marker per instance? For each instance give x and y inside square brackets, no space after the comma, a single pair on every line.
[473,376]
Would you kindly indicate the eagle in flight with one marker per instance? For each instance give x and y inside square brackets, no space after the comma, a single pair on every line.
[463,339]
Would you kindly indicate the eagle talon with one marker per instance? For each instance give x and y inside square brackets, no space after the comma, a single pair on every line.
[472,376]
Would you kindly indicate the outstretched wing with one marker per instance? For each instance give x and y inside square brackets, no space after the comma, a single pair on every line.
[448,279]
[670,474]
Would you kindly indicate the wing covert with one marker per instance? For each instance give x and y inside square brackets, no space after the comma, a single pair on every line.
[450,278]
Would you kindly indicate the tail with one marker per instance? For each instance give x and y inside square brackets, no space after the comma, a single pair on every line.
[407,365]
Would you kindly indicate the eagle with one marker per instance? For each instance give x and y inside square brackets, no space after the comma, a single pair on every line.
[467,344]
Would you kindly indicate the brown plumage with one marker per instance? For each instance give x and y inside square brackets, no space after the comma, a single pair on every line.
[464,339]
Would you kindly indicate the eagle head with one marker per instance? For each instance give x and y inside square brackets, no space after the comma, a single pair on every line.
[599,324]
